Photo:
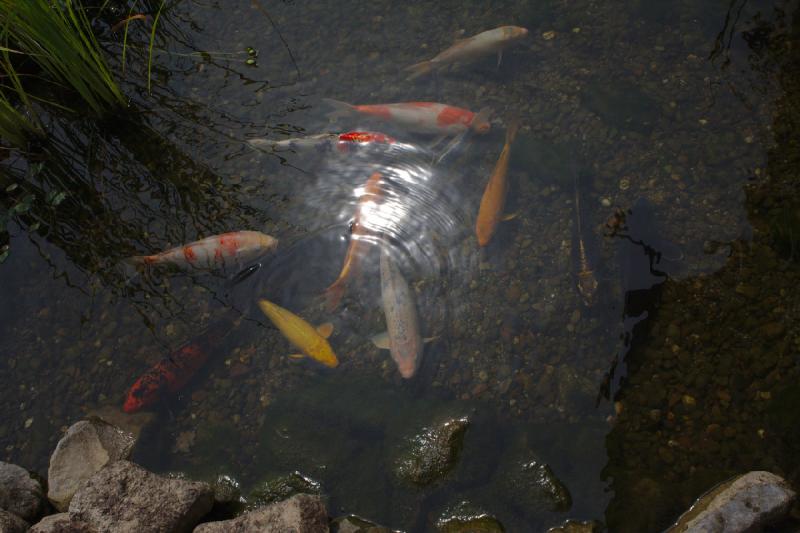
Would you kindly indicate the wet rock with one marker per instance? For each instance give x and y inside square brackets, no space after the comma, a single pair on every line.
[302,513]
[282,488]
[11,523]
[465,517]
[745,503]
[574,526]
[433,453]
[133,423]
[60,523]
[226,490]
[20,493]
[86,447]
[126,497]
[356,524]
[531,484]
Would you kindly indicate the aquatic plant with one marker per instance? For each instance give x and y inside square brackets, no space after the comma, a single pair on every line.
[49,45]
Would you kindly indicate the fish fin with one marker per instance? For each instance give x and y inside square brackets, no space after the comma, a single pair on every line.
[137,260]
[499,58]
[261,145]
[381,340]
[511,130]
[450,146]
[436,142]
[510,216]
[297,356]
[419,69]
[426,340]
[340,109]
[325,329]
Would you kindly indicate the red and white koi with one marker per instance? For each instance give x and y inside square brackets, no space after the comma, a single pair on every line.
[214,251]
[425,117]
[472,48]
[323,142]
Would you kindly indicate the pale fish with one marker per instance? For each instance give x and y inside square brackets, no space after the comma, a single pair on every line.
[472,48]
[214,251]
[322,142]
[312,342]
[402,338]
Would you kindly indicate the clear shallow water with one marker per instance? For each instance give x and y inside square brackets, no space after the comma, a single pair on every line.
[680,104]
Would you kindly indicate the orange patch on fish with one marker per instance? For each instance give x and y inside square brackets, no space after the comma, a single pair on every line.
[453,115]
[381,111]
[229,243]
[189,254]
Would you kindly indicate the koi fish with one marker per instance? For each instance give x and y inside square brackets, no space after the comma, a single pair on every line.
[426,117]
[471,48]
[311,341]
[212,250]
[323,142]
[358,243]
[494,196]
[402,338]
[173,372]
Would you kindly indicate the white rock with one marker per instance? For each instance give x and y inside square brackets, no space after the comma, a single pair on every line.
[302,513]
[87,447]
[744,504]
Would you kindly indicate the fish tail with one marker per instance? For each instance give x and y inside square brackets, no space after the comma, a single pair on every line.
[511,130]
[340,109]
[419,69]
[334,294]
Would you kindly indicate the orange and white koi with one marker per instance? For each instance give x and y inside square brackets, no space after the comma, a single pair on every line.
[213,251]
[494,196]
[358,241]
[323,142]
[426,117]
[471,48]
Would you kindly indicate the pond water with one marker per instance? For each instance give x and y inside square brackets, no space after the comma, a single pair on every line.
[655,150]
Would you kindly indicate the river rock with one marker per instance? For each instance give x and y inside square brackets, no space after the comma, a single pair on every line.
[59,523]
[531,484]
[466,517]
[281,488]
[575,526]
[356,524]
[133,423]
[86,447]
[124,497]
[11,523]
[302,513]
[432,454]
[744,504]
[20,493]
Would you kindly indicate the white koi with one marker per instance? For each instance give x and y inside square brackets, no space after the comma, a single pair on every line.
[213,251]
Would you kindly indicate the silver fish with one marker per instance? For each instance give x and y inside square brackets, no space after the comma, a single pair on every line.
[402,337]
[322,142]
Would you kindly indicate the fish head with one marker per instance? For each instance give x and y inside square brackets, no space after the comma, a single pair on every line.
[267,242]
[407,366]
[512,33]
[324,354]
[480,123]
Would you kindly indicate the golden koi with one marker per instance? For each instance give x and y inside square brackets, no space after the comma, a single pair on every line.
[311,341]
[358,243]
[427,117]
[494,196]
[471,48]
[214,250]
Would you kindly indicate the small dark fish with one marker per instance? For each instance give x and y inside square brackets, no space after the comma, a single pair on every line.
[173,372]
[586,277]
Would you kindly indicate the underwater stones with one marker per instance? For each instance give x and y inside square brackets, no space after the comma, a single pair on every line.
[126,497]
[574,526]
[85,448]
[301,513]
[282,488]
[621,105]
[746,503]
[356,524]
[20,493]
[531,484]
[433,453]
[465,517]
[11,523]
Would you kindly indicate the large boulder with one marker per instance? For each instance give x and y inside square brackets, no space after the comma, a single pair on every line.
[11,523]
[59,523]
[744,504]
[432,454]
[20,493]
[302,513]
[86,447]
[124,497]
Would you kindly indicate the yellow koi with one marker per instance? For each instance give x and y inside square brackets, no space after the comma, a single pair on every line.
[311,341]
[494,196]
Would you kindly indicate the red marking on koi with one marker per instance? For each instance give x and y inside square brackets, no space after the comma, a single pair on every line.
[228,243]
[189,254]
[454,115]
[381,111]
